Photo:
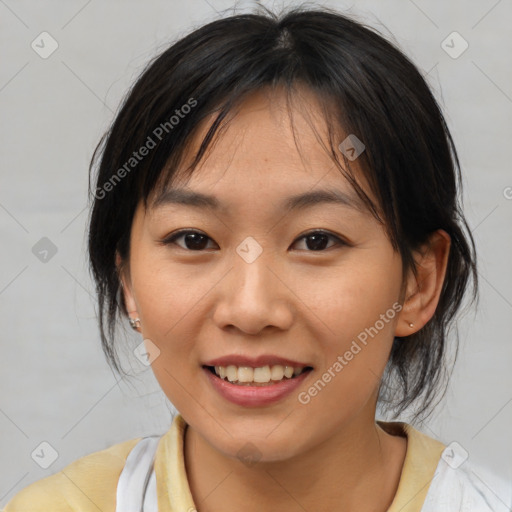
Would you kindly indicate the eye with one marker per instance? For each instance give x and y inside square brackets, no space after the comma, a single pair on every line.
[197,241]
[316,240]
[194,239]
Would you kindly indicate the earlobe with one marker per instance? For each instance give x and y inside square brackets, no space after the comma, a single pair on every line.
[423,290]
[126,291]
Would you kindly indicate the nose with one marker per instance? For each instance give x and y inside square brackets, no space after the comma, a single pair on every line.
[254,297]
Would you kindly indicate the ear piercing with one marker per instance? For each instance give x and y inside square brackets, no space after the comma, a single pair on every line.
[135,323]
[411,325]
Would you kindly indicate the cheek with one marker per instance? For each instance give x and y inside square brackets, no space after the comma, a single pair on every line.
[166,293]
[172,301]
[351,297]
[166,299]
[351,374]
[358,307]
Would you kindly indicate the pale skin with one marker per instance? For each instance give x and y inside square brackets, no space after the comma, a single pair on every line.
[292,301]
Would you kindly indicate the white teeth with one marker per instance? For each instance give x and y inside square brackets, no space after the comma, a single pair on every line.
[264,374]
[232,373]
[245,374]
[277,372]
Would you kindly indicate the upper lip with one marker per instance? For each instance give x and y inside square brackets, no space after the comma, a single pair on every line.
[254,362]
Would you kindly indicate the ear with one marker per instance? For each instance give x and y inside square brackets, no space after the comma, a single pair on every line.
[126,287]
[423,290]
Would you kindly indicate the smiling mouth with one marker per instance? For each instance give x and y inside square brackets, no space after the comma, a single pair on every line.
[262,376]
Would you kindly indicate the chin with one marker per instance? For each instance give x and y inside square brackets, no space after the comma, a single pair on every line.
[251,448]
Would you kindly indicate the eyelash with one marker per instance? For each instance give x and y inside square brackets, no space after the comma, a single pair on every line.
[175,236]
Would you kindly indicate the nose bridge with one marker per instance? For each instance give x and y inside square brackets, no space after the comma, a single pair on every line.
[251,263]
[253,296]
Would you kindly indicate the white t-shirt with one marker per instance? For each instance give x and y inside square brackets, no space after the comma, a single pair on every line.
[466,488]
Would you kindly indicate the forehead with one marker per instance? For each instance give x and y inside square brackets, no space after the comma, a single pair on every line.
[266,152]
[267,130]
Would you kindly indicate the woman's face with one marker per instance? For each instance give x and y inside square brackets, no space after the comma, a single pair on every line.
[255,286]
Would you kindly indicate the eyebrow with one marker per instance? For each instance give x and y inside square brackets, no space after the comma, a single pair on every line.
[187,197]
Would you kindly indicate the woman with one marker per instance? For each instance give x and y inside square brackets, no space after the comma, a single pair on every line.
[275,211]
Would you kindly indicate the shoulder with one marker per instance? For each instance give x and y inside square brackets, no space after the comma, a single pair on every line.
[444,478]
[467,486]
[89,483]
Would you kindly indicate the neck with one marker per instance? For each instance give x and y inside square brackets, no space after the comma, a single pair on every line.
[356,469]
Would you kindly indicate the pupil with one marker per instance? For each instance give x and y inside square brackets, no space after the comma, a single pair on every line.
[319,242]
[193,241]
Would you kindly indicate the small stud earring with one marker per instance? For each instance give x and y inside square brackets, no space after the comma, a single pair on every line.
[411,325]
[135,323]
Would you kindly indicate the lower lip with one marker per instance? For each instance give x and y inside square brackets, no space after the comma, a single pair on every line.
[255,396]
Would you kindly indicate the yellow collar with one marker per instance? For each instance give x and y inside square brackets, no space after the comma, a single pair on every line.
[421,459]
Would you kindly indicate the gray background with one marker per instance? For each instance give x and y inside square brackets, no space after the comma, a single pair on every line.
[55,384]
